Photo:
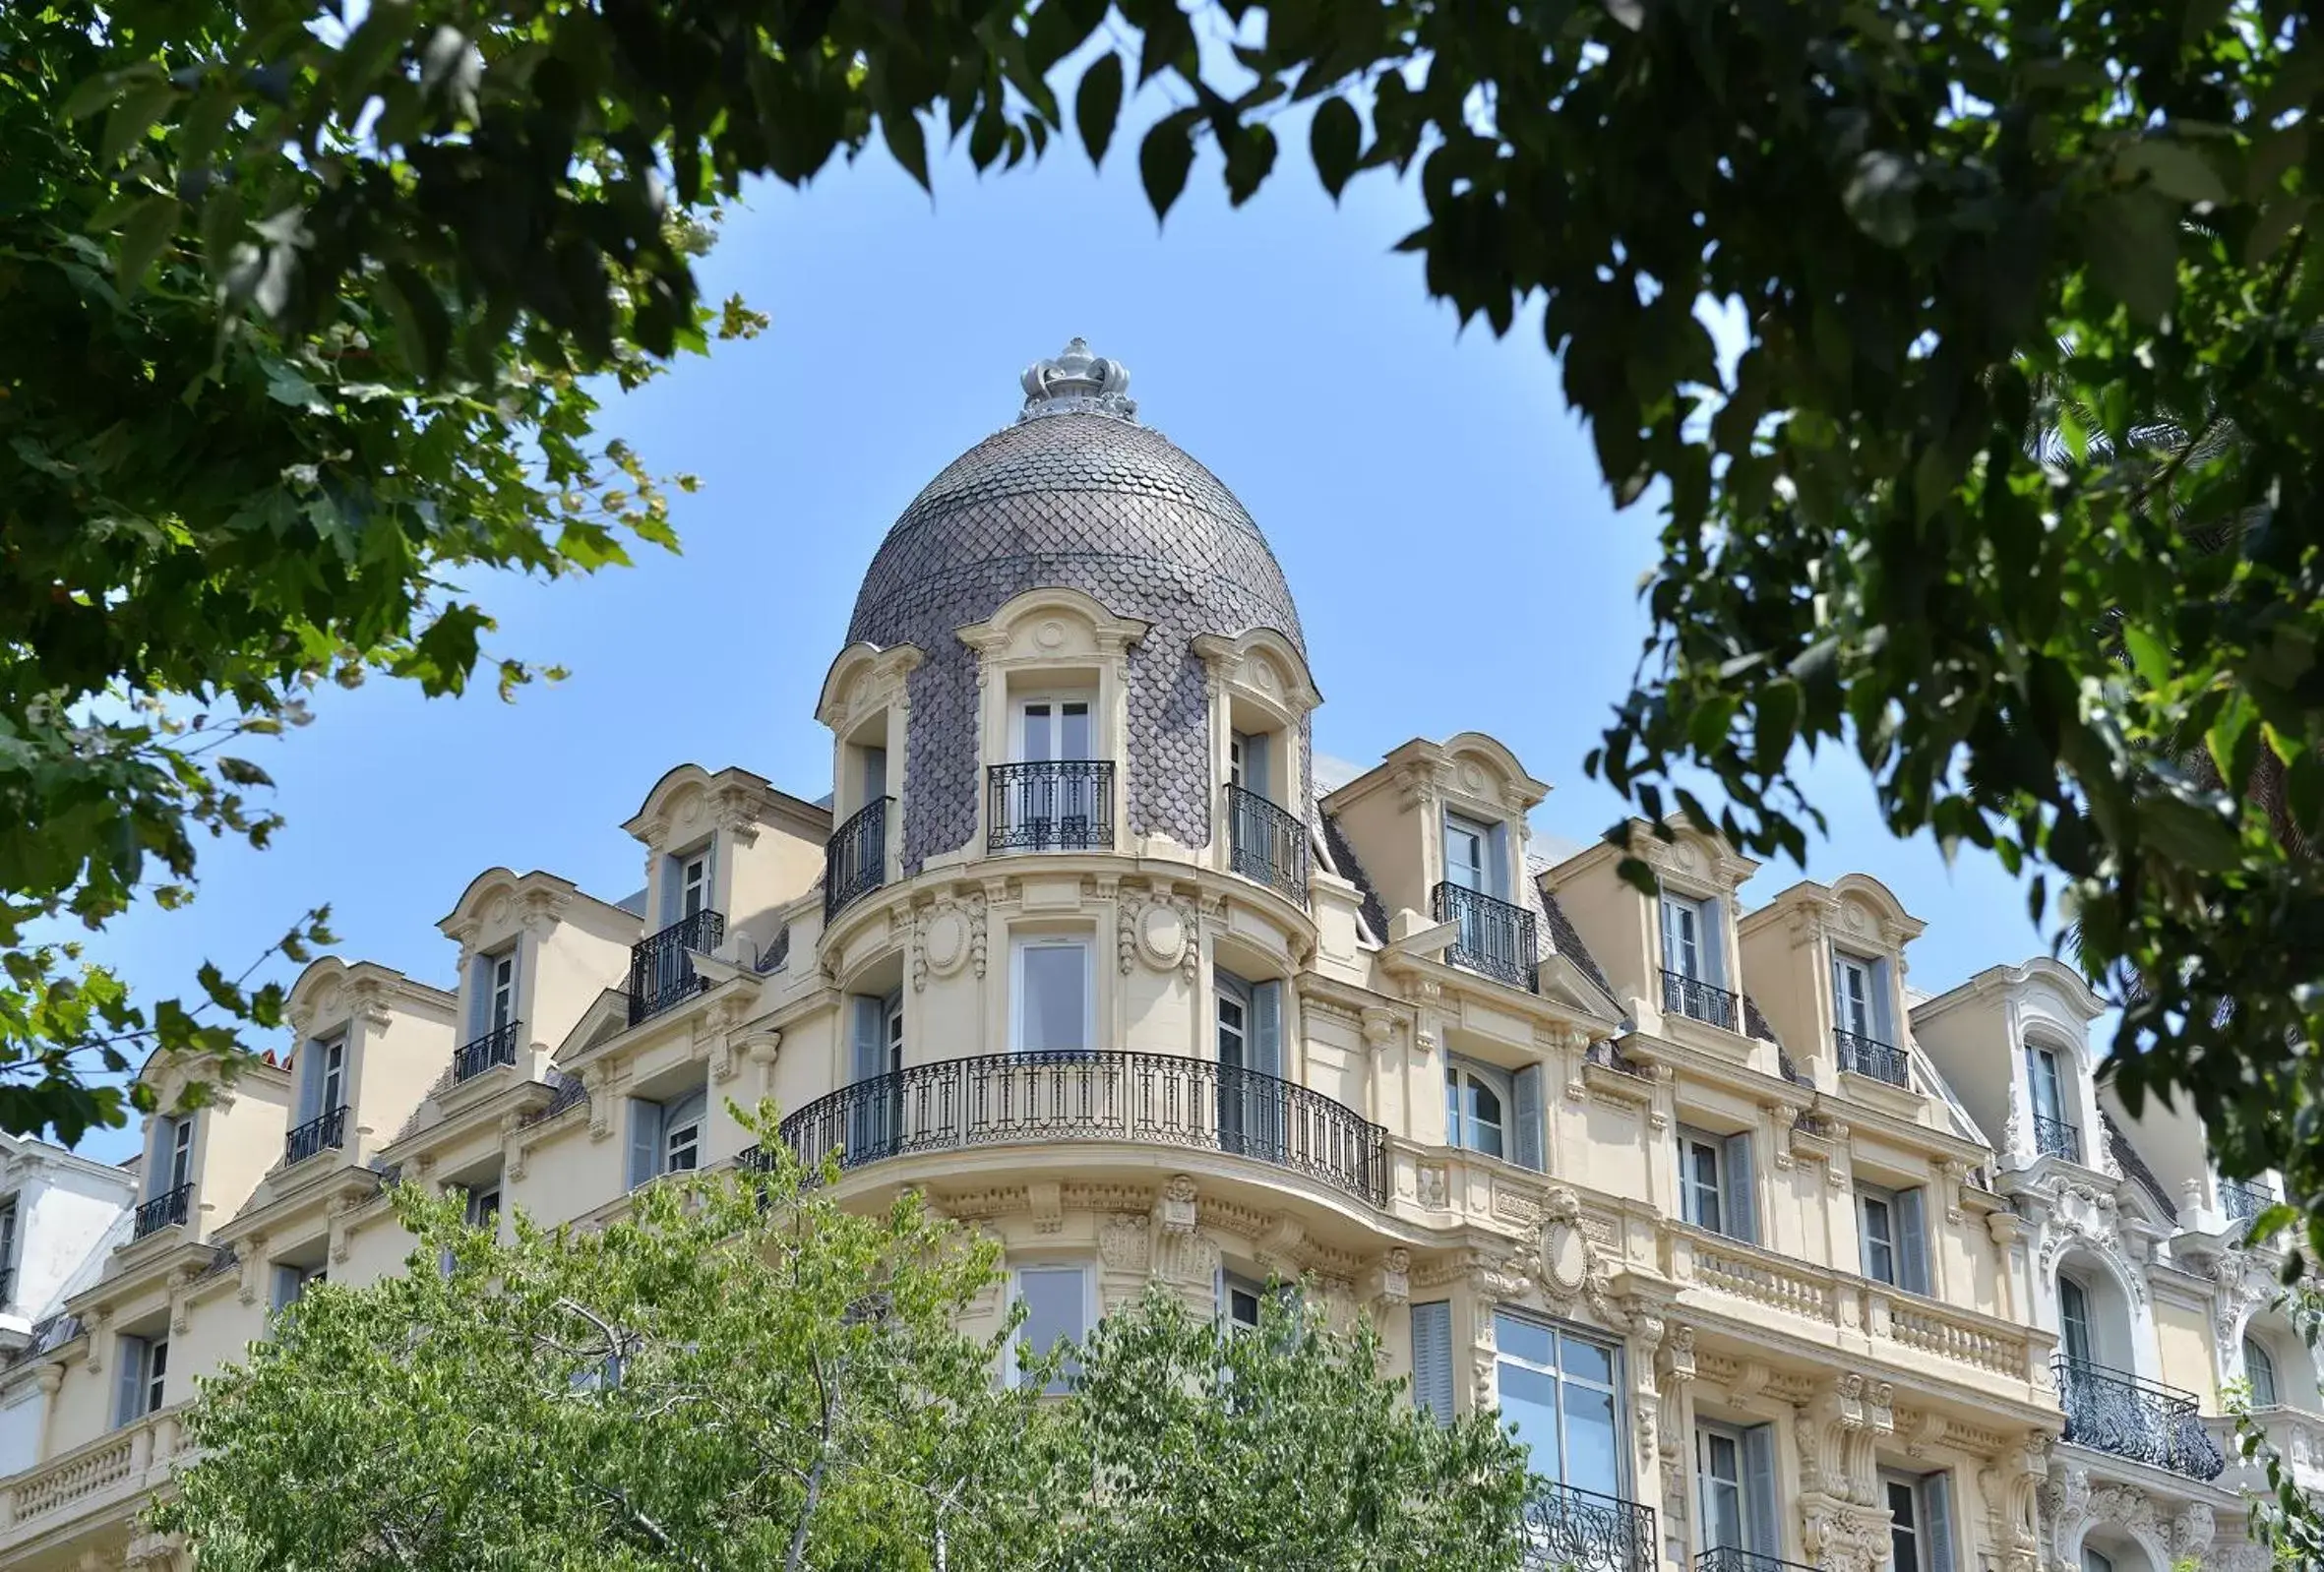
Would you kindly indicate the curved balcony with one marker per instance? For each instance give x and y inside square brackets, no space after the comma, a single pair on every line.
[2115,1411]
[1053,805]
[2057,1137]
[661,967]
[1870,1057]
[163,1211]
[1692,997]
[1570,1528]
[494,1047]
[1062,1096]
[2242,1202]
[1496,938]
[1267,844]
[324,1133]
[855,858]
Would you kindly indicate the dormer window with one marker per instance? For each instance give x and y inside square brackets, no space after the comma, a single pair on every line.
[1695,961]
[2054,1134]
[1495,936]
[689,884]
[1247,763]
[1469,862]
[179,1170]
[323,1103]
[500,989]
[1053,794]
[1861,1026]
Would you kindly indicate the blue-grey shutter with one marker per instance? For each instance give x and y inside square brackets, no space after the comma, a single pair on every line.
[673,891]
[1912,1241]
[1500,875]
[1839,995]
[868,1056]
[1936,1505]
[129,1385]
[1713,946]
[1764,1531]
[310,1080]
[1670,933]
[1431,1358]
[1883,1024]
[1739,1194]
[1528,1146]
[1254,765]
[645,1141]
[871,1038]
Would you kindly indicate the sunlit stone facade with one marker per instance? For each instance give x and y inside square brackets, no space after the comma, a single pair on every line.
[1088,945]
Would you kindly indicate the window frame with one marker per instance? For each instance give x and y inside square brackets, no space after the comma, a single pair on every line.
[2088,1356]
[672,1127]
[1463,1075]
[331,1084]
[2038,1059]
[1057,700]
[1869,1196]
[2251,1378]
[1692,1141]
[1847,964]
[1613,1388]
[1916,1532]
[1072,1368]
[1693,912]
[1705,1432]
[499,1004]
[695,877]
[179,1162]
[153,1379]
[1020,946]
[1490,883]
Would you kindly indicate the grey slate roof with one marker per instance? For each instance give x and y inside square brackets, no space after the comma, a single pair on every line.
[1089,502]
[1567,940]
[2136,1166]
[1345,863]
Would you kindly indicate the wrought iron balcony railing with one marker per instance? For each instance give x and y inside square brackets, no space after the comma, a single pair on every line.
[164,1210]
[1868,1056]
[855,858]
[6,1286]
[2242,1201]
[496,1047]
[1270,844]
[1683,994]
[661,967]
[1056,805]
[328,1129]
[1152,1099]
[2057,1137]
[1496,938]
[1570,1528]
[1727,1558]
[2115,1411]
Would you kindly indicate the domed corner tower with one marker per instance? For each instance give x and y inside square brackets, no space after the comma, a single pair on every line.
[1042,634]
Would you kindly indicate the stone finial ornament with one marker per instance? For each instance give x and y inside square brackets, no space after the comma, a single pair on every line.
[1075,381]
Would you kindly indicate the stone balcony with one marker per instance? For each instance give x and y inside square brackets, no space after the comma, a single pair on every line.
[89,1495]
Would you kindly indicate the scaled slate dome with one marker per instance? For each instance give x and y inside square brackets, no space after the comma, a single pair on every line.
[1077,494]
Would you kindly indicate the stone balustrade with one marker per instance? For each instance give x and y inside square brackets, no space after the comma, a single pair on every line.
[119,1465]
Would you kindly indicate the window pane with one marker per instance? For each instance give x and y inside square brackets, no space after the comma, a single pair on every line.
[1523,1340]
[1529,1404]
[1054,1303]
[1037,736]
[1587,1359]
[1073,731]
[1053,1008]
[1593,1460]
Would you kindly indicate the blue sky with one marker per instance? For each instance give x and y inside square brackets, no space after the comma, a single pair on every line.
[1456,559]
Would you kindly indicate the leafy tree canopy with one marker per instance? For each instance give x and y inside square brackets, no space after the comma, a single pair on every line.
[742,1374]
[2009,490]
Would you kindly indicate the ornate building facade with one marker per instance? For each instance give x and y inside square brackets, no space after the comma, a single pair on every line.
[1083,946]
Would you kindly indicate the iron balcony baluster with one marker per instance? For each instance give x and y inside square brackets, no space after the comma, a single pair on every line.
[1727,1558]
[1693,998]
[661,967]
[161,1211]
[1153,1099]
[855,858]
[1570,1528]
[1496,938]
[324,1130]
[494,1048]
[2056,1138]
[2115,1411]
[1870,1057]
[2241,1202]
[1057,804]
[1267,843]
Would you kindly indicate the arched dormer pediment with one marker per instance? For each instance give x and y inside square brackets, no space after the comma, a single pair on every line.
[1863,905]
[864,678]
[1482,766]
[1261,665]
[1694,859]
[331,993]
[688,801]
[1053,624]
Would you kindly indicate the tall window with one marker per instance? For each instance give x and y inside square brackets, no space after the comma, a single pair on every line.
[1476,1108]
[2259,1369]
[1558,1391]
[144,1373]
[292,1282]
[1920,1521]
[1876,1211]
[1247,763]
[665,1137]
[1734,1485]
[1682,933]
[7,1247]
[1468,856]
[1852,995]
[2046,1089]
[500,989]
[2073,1320]
[1239,1302]
[1053,1008]
[1054,728]
[693,884]
[1716,1183]
[1904,1526]
[1057,1309]
[180,1171]
[484,1203]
